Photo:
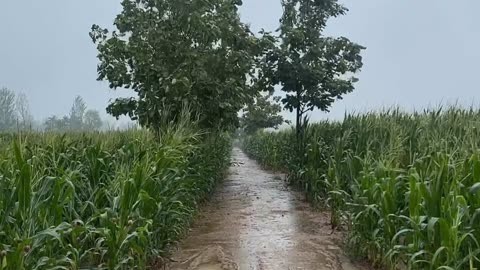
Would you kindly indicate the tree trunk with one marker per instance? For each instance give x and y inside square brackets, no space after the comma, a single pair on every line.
[298,124]
[300,129]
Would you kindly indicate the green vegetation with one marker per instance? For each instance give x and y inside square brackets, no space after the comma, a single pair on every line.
[263,113]
[102,200]
[118,200]
[406,186]
[312,69]
[177,53]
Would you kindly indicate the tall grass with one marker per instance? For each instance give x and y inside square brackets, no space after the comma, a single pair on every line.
[113,200]
[407,186]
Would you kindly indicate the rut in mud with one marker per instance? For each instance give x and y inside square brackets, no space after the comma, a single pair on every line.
[255,222]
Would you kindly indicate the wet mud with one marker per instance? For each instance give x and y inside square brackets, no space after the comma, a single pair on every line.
[255,222]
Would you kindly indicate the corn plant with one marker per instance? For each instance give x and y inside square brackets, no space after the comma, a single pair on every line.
[115,200]
[405,185]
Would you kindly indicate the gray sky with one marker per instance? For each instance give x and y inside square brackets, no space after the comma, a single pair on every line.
[419,53]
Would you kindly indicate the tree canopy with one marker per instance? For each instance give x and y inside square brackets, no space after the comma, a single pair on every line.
[313,70]
[263,113]
[198,54]
[177,52]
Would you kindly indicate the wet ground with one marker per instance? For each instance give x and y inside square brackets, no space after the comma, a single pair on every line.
[255,222]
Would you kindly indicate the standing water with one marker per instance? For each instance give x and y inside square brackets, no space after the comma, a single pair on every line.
[254,222]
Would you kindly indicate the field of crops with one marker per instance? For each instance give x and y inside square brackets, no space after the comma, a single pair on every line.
[105,200]
[405,186]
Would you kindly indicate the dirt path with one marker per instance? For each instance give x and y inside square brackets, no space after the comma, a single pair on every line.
[255,222]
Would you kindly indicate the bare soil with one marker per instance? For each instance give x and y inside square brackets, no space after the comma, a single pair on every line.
[255,222]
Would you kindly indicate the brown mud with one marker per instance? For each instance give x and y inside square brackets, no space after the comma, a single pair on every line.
[255,222]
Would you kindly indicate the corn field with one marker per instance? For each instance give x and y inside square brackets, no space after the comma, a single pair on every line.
[406,186]
[114,200]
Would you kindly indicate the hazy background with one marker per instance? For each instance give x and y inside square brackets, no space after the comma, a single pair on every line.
[419,53]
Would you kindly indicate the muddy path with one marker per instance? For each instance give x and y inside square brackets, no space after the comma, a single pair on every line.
[255,222]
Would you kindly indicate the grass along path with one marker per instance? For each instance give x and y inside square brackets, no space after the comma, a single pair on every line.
[254,222]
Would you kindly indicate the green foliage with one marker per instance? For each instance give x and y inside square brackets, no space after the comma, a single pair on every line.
[102,201]
[312,69]
[175,54]
[406,186]
[261,114]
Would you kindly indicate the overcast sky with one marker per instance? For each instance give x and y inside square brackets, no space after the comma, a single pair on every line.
[419,53]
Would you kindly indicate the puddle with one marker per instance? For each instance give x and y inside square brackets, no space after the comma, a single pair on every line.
[254,222]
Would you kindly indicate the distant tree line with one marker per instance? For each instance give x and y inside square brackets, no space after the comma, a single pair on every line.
[15,115]
[80,118]
[14,111]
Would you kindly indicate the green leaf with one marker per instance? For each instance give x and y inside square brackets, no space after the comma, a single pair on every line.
[24,187]
[475,188]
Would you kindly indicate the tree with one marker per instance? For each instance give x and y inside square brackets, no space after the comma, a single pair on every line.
[50,123]
[262,114]
[79,119]
[177,52]
[7,110]
[92,120]
[312,70]
[53,123]
[77,112]
[25,118]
